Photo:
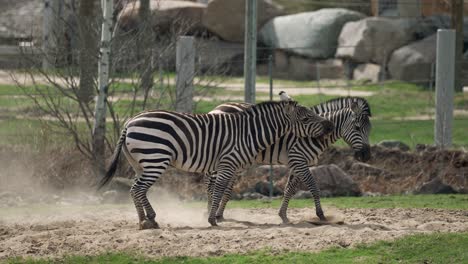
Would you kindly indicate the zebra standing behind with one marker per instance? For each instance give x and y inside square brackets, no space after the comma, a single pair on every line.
[154,140]
[350,116]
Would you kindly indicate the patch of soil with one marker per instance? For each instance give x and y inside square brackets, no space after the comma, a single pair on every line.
[60,230]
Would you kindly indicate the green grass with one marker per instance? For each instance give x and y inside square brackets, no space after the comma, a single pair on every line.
[414,132]
[420,248]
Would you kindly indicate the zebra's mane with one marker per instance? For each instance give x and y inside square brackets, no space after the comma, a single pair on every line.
[342,102]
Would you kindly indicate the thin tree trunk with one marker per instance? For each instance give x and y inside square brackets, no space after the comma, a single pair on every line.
[88,50]
[99,131]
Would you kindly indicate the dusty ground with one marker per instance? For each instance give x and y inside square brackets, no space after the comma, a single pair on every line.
[55,230]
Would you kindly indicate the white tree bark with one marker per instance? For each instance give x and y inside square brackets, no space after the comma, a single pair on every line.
[99,131]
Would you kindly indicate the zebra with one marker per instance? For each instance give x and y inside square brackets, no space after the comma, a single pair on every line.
[350,116]
[154,140]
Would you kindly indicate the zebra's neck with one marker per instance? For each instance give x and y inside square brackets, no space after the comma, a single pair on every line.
[266,124]
[338,119]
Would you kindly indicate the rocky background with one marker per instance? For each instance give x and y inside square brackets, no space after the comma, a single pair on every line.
[334,43]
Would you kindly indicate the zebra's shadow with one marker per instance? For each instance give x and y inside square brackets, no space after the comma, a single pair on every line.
[226,224]
[242,225]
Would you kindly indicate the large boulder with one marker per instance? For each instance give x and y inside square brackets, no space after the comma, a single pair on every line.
[312,34]
[373,39]
[226,18]
[413,62]
[434,186]
[166,16]
[286,65]
[367,72]
[333,181]
[23,17]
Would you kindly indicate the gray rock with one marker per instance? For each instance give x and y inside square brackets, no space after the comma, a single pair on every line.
[413,62]
[333,181]
[252,196]
[226,18]
[434,186]
[214,54]
[367,71]
[373,39]
[311,34]
[166,16]
[301,68]
[371,194]
[236,196]
[394,144]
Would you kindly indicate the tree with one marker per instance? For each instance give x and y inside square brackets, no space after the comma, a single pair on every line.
[88,49]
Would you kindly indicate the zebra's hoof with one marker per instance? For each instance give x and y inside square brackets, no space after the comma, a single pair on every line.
[219,218]
[212,221]
[322,217]
[148,224]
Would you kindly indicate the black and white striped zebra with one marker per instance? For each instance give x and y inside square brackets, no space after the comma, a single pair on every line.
[350,116]
[154,140]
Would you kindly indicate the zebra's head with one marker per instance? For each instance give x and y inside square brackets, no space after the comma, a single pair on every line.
[306,123]
[355,131]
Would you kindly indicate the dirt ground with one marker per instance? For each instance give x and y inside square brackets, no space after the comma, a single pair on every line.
[64,228]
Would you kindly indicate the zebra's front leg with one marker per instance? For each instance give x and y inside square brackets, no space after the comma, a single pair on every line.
[312,186]
[226,197]
[290,190]
[299,167]
[222,181]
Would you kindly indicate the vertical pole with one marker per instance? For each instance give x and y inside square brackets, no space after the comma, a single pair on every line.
[185,71]
[445,74]
[270,75]
[250,49]
[50,32]
[457,24]
[317,75]
[99,130]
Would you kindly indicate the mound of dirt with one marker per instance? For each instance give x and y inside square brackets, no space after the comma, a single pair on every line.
[393,171]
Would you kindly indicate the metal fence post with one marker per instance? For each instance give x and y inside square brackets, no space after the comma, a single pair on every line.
[250,50]
[270,75]
[445,84]
[185,71]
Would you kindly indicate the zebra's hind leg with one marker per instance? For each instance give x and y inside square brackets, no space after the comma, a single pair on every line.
[209,180]
[290,190]
[139,192]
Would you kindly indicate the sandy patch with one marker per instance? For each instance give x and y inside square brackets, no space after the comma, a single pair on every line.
[53,231]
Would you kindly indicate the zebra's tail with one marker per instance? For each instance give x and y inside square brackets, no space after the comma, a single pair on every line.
[115,160]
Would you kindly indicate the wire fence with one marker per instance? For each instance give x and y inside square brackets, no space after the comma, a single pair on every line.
[403,107]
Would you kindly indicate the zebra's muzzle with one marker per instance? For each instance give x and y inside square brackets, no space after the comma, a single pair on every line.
[363,154]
